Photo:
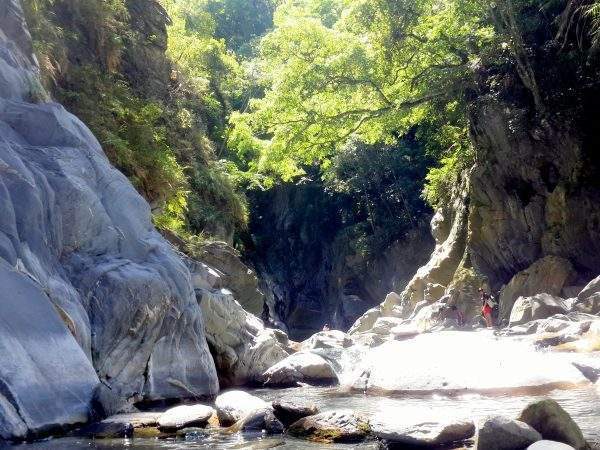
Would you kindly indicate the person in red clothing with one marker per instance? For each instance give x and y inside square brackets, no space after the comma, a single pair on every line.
[487,306]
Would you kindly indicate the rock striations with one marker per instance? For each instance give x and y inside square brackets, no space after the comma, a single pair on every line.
[91,293]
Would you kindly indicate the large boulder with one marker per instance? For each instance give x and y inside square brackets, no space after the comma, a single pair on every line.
[550,275]
[502,433]
[327,339]
[553,423]
[243,349]
[301,367]
[90,291]
[423,433]
[539,306]
[233,406]
[331,426]
[185,416]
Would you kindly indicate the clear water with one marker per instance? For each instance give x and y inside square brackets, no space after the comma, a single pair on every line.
[471,361]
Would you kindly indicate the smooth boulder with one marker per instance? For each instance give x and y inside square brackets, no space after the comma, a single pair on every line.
[502,433]
[553,423]
[304,367]
[185,416]
[235,405]
[331,426]
[422,433]
[327,339]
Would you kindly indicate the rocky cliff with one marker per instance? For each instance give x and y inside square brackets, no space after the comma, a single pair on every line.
[91,293]
[309,273]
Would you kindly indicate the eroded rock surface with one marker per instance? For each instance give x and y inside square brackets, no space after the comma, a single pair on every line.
[90,290]
[302,367]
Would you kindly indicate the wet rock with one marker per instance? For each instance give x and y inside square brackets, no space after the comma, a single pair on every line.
[502,433]
[426,433]
[539,306]
[302,367]
[549,445]
[331,426]
[184,416]
[327,339]
[106,430]
[136,420]
[289,411]
[243,349]
[260,420]
[234,405]
[553,423]
[550,275]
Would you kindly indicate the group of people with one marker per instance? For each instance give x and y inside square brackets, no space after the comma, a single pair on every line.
[488,304]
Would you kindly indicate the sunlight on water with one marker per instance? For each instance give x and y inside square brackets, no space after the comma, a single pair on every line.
[459,361]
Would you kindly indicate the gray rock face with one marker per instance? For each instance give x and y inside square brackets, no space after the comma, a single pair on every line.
[90,289]
[502,433]
[242,347]
[238,277]
[588,300]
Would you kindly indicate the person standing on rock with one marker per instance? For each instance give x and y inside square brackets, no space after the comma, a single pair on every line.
[487,306]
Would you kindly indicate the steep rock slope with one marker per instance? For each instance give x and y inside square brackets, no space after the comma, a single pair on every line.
[87,283]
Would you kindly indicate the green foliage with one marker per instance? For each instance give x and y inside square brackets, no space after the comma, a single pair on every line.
[379,188]
[368,70]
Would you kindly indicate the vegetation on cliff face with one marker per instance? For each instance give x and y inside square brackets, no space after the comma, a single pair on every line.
[156,120]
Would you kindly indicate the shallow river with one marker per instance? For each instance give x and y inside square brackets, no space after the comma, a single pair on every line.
[582,403]
[434,365]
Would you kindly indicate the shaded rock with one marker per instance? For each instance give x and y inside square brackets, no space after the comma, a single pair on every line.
[184,416]
[539,306]
[289,411]
[549,445]
[304,367]
[547,275]
[243,349]
[331,426]
[426,433]
[235,405]
[327,339]
[590,371]
[554,423]
[106,430]
[501,433]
